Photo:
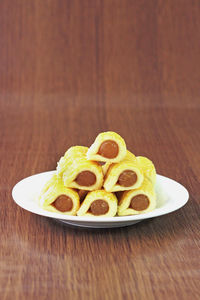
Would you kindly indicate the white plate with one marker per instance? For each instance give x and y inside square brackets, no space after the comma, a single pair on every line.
[171,195]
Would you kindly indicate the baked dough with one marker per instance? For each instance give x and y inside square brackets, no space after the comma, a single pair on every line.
[144,200]
[147,168]
[106,204]
[55,197]
[79,173]
[107,147]
[129,156]
[112,181]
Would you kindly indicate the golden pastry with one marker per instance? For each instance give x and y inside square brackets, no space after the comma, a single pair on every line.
[78,151]
[79,173]
[107,147]
[138,201]
[129,156]
[147,167]
[99,204]
[55,197]
[105,167]
[125,175]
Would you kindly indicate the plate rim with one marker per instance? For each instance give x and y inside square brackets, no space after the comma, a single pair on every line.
[91,219]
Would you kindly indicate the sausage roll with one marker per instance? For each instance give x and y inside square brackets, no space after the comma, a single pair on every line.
[55,197]
[147,168]
[99,203]
[79,173]
[125,175]
[140,200]
[107,147]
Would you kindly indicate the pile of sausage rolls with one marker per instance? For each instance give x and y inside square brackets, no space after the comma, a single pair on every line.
[104,180]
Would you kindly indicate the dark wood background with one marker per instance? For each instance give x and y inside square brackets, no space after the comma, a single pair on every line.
[69,70]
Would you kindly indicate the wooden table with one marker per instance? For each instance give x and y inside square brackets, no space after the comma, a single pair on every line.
[69,70]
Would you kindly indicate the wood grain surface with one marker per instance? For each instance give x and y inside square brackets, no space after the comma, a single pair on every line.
[70,69]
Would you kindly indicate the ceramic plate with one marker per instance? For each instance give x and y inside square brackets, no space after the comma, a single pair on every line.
[171,196]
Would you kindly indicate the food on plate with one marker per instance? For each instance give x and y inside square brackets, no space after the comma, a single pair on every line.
[137,201]
[99,203]
[125,175]
[107,147]
[103,180]
[129,156]
[147,168]
[78,172]
[55,197]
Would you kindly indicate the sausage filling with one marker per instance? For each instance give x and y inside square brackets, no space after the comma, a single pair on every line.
[101,163]
[63,203]
[139,202]
[127,178]
[86,178]
[82,194]
[99,207]
[108,149]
